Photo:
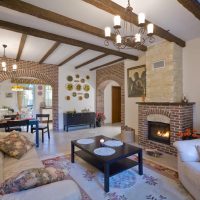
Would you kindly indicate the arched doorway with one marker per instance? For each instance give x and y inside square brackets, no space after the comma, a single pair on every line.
[27,76]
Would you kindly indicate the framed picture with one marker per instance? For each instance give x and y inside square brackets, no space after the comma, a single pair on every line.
[136,81]
[9,95]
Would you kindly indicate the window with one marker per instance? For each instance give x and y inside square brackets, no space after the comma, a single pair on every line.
[48,96]
[28,96]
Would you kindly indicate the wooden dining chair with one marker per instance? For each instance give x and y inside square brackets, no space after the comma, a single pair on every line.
[43,125]
[15,125]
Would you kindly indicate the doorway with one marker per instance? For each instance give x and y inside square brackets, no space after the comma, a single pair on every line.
[116,104]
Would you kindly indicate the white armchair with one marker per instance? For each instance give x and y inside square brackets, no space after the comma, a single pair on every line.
[189,166]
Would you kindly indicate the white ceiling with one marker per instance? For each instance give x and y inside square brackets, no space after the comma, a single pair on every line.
[168,14]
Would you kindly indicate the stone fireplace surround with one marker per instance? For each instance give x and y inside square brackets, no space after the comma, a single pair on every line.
[178,115]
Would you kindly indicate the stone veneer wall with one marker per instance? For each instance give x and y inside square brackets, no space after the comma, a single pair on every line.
[103,77]
[45,72]
[164,84]
[181,117]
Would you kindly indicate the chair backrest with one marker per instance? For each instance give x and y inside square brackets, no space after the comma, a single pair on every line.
[13,123]
[12,117]
[43,118]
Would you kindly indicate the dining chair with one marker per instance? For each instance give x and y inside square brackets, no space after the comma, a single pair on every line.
[15,125]
[43,125]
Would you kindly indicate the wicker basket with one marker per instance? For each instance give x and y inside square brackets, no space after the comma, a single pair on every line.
[128,135]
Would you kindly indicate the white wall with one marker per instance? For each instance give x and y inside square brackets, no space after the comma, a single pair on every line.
[65,105]
[191,79]
[108,101]
[5,87]
[131,108]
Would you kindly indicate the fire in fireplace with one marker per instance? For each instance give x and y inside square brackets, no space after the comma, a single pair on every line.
[159,132]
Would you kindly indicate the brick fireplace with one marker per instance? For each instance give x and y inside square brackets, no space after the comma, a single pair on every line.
[172,117]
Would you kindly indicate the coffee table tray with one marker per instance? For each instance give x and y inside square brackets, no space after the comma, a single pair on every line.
[115,168]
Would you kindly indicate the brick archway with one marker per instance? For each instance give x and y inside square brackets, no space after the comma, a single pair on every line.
[48,74]
[103,78]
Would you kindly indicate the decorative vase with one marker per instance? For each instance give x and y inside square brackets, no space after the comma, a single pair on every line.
[98,123]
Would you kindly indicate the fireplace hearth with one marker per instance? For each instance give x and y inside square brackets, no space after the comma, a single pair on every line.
[159,132]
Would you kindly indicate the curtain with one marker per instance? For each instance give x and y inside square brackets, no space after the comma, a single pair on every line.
[19,100]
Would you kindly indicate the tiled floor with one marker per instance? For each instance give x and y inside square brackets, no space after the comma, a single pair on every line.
[60,143]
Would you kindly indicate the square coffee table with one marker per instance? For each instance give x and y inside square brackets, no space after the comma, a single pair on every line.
[109,165]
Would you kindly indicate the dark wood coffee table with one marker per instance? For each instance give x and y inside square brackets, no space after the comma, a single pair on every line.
[109,165]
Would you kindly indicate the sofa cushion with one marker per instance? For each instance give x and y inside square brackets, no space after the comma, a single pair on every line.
[14,166]
[15,145]
[187,150]
[32,178]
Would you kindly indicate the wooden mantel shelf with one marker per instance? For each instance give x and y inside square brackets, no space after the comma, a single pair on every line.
[166,103]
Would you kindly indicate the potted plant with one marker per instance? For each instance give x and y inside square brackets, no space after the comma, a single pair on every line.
[100,117]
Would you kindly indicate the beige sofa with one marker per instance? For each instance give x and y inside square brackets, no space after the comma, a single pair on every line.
[189,166]
[62,190]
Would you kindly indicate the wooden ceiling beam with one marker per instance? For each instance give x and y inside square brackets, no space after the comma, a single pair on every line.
[48,15]
[192,5]
[49,52]
[72,57]
[21,46]
[62,39]
[92,60]
[115,9]
[109,63]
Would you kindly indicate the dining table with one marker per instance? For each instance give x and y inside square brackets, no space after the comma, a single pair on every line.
[32,122]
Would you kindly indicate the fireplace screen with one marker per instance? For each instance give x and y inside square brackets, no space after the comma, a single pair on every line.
[159,132]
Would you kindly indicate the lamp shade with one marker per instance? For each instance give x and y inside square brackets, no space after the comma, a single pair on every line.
[141,18]
[14,67]
[107,31]
[117,21]
[3,64]
[150,29]
[137,38]
[118,39]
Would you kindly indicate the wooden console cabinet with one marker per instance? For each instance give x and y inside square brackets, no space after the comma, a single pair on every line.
[78,119]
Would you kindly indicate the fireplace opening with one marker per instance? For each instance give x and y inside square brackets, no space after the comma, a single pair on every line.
[159,132]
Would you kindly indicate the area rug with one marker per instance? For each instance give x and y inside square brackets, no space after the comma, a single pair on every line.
[157,183]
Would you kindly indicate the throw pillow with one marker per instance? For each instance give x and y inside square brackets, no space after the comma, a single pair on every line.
[198,150]
[32,178]
[15,145]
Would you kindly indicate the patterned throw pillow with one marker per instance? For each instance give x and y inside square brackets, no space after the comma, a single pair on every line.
[198,150]
[32,178]
[15,145]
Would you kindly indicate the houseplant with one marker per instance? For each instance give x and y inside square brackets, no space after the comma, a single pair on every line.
[100,117]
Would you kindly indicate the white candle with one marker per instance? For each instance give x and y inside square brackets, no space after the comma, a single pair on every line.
[150,28]
[107,31]
[141,18]
[137,38]
[118,39]
[117,20]
[102,141]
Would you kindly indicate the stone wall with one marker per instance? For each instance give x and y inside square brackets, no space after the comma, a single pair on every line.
[164,84]
[45,72]
[103,77]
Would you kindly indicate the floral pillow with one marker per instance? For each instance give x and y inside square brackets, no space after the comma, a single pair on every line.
[15,145]
[32,178]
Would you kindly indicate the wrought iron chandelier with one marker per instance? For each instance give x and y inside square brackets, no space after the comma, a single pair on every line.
[125,36]
[4,59]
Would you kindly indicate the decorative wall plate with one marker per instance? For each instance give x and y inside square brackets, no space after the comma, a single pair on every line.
[74,94]
[86,95]
[82,80]
[39,87]
[70,78]
[88,77]
[67,98]
[80,98]
[69,87]
[86,87]
[40,93]
[78,87]
[77,76]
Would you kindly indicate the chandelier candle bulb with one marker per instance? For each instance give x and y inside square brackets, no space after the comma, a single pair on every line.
[150,29]
[107,31]
[137,38]
[14,67]
[117,21]
[3,64]
[141,19]
[118,39]
[4,69]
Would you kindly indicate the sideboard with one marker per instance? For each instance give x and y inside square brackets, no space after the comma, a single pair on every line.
[78,119]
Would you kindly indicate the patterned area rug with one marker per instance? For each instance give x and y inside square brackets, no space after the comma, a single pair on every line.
[157,183]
